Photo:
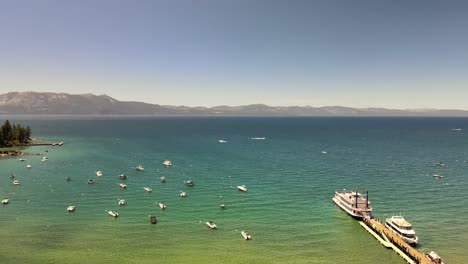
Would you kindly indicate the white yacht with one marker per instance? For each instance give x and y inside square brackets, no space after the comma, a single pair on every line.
[183,194]
[16,183]
[246,235]
[402,228]
[211,224]
[353,203]
[167,163]
[113,213]
[139,168]
[5,200]
[71,208]
[99,173]
[242,188]
[121,202]
[123,185]
[148,189]
[28,166]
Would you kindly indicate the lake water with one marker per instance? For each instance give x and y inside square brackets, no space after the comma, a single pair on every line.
[287,209]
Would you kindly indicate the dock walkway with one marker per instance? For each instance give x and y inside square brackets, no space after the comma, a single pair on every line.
[406,251]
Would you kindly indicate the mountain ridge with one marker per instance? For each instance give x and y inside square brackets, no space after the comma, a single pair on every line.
[48,103]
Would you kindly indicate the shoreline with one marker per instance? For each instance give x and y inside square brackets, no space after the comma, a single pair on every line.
[15,152]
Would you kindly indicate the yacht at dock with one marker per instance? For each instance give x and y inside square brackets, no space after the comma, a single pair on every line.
[353,203]
[402,228]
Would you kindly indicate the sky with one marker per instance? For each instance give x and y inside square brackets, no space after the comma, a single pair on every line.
[397,54]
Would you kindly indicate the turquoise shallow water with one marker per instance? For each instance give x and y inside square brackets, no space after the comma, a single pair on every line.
[287,208]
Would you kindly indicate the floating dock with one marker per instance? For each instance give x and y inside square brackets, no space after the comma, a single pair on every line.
[390,240]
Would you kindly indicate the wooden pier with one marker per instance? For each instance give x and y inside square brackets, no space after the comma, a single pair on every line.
[391,240]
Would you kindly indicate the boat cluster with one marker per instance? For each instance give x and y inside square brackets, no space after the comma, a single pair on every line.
[71,208]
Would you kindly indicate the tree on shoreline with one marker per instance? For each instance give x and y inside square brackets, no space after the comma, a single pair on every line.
[15,135]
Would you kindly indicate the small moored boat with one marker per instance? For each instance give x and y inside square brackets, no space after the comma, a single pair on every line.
[68,178]
[153,219]
[242,188]
[5,200]
[162,205]
[211,224]
[434,257]
[99,173]
[44,159]
[16,183]
[437,176]
[71,208]
[222,141]
[122,185]
[22,159]
[90,181]
[222,206]
[113,213]
[122,202]
[163,179]
[183,194]
[189,183]
[148,189]
[12,176]
[246,235]
[123,176]
[139,168]
[28,166]
[167,163]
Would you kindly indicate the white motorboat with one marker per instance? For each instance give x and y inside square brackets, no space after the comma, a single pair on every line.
[242,188]
[28,166]
[5,200]
[189,183]
[167,163]
[258,138]
[148,189]
[402,228]
[71,208]
[222,206]
[438,176]
[439,163]
[16,183]
[211,224]
[434,257]
[44,159]
[113,213]
[99,173]
[123,176]
[121,202]
[183,194]
[246,235]
[222,141]
[90,181]
[139,168]
[122,185]
[21,159]
[323,152]
[353,203]
[163,179]
[162,205]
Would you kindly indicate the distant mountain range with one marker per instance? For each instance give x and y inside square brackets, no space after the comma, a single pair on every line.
[33,103]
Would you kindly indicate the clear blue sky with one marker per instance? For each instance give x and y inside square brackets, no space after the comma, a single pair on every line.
[394,54]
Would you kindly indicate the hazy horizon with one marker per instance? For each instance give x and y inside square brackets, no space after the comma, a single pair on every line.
[360,54]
